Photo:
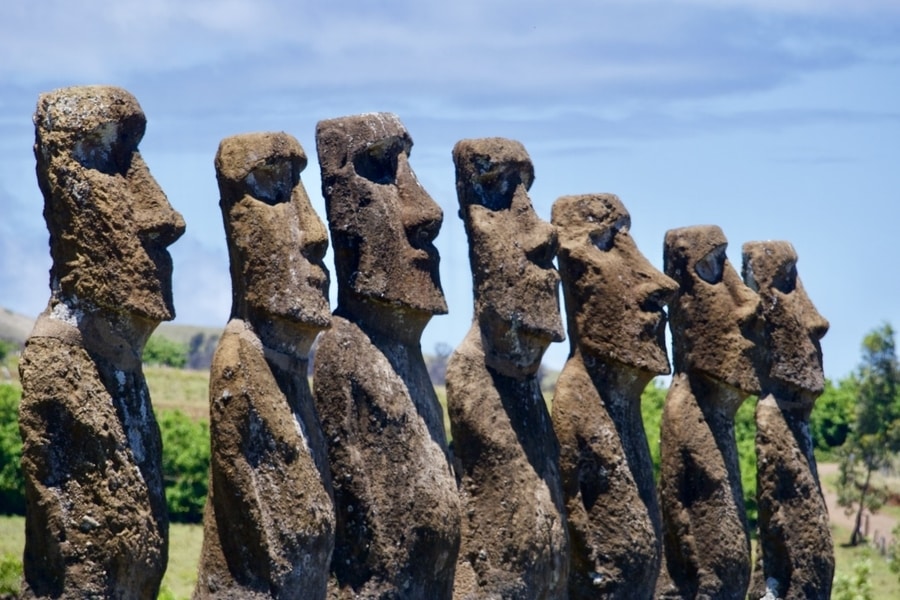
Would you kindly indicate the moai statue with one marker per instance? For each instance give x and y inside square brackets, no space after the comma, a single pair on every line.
[714,320]
[269,520]
[514,540]
[96,524]
[614,303]
[795,553]
[395,494]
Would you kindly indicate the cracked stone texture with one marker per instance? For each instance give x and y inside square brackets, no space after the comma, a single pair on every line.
[714,319]
[795,557]
[397,506]
[514,540]
[614,302]
[96,524]
[269,519]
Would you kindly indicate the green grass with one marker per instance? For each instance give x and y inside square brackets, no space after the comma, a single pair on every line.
[885,584]
[177,389]
[185,542]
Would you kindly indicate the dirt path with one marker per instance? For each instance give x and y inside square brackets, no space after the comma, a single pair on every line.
[880,525]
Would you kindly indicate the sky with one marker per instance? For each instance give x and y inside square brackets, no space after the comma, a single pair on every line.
[773,119]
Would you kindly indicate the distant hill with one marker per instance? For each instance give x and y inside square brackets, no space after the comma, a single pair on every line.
[15,328]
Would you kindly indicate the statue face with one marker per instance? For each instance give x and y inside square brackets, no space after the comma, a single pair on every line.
[715,318]
[614,296]
[382,221]
[110,223]
[793,326]
[511,251]
[277,243]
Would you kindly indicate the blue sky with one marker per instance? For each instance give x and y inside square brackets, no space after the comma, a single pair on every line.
[774,119]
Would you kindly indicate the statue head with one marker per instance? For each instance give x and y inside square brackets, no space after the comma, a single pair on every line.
[276,242]
[383,223]
[511,251]
[110,223]
[793,327]
[614,296]
[714,317]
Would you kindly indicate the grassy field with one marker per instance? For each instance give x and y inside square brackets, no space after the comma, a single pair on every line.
[178,389]
[885,584]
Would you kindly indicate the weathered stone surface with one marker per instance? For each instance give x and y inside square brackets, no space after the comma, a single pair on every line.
[795,552]
[714,320]
[96,524]
[269,519]
[514,541]
[395,494]
[614,303]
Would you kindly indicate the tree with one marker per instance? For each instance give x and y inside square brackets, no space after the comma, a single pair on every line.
[437,363]
[12,482]
[834,414]
[652,400]
[201,349]
[876,432]
[161,350]
[185,463]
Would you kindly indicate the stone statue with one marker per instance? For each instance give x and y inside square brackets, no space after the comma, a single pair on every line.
[714,320]
[269,519]
[395,494]
[614,303]
[514,541]
[96,523]
[795,545]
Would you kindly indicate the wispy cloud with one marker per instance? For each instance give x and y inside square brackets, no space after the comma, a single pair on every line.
[573,53]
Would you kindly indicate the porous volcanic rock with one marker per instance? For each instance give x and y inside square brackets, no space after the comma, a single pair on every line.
[614,304]
[714,319]
[96,523]
[514,540]
[269,518]
[395,494]
[795,557]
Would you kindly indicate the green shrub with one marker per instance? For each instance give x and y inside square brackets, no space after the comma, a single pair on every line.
[161,350]
[12,482]
[185,465]
[652,400]
[834,414]
[185,460]
[854,586]
[745,436]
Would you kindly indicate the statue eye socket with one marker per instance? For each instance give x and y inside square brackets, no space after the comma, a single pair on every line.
[107,148]
[711,267]
[378,162]
[605,239]
[496,186]
[272,182]
[785,281]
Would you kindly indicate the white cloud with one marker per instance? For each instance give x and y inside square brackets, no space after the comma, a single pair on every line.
[461,47]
